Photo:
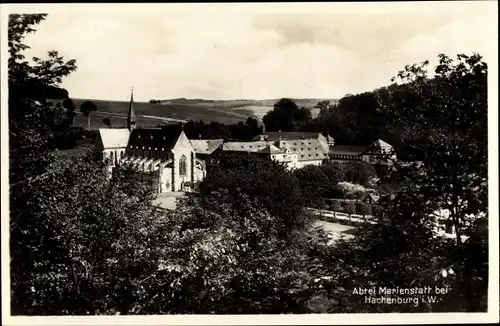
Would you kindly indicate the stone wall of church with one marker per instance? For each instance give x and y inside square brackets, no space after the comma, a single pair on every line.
[182,152]
[113,155]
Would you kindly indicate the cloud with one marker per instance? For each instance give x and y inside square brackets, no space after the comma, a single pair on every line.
[248,55]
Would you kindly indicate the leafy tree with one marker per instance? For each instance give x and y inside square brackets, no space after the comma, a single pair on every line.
[313,182]
[70,110]
[323,107]
[363,209]
[442,119]
[275,187]
[286,116]
[335,206]
[350,208]
[87,108]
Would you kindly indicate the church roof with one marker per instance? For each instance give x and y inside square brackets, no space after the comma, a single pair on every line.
[206,146]
[114,137]
[165,138]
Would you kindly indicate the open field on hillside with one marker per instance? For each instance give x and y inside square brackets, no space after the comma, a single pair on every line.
[223,111]
[174,111]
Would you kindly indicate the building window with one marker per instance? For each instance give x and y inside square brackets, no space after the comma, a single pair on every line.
[111,157]
[121,154]
[183,165]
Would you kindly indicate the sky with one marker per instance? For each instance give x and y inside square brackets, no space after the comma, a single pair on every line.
[254,51]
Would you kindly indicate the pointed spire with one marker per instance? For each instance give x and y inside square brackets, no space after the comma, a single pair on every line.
[131,123]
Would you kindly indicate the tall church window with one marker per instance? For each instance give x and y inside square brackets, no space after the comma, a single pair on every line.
[183,165]
[111,157]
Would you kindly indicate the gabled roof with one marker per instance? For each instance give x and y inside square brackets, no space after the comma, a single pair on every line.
[165,137]
[251,146]
[206,146]
[374,197]
[381,143]
[307,149]
[271,149]
[347,150]
[114,137]
[378,145]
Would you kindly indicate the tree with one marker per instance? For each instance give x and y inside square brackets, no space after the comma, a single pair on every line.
[363,209]
[87,108]
[442,120]
[286,116]
[269,181]
[70,110]
[453,119]
[107,122]
[350,208]
[335,207]
[313,183]
[323,107]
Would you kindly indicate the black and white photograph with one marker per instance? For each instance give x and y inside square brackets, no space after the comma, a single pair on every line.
[256,163]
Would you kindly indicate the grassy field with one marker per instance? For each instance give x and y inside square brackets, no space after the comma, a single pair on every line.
[227,112]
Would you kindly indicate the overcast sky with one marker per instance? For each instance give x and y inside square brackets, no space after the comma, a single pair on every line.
[256,52]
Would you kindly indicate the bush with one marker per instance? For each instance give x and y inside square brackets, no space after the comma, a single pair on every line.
[363,208]
[350,207]
[377,211]
[335,206]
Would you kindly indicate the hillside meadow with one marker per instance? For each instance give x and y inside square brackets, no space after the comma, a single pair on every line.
[148,115]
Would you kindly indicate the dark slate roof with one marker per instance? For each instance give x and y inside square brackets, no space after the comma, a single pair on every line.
[165,137]
[347,150]
[275,135]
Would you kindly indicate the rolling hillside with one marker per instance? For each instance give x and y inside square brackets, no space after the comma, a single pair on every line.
[225,111]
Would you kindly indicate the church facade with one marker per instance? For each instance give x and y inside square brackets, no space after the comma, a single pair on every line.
[166,152]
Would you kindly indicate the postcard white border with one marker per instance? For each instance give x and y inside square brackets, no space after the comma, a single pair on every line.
[313,8]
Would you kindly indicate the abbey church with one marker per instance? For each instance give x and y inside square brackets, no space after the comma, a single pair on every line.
[165,150]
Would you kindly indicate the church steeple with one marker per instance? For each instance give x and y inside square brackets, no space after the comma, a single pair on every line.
[131,113]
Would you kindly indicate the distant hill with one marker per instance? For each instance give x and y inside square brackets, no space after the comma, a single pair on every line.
[223,111]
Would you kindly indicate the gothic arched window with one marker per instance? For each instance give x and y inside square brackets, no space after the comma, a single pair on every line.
[183,165]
